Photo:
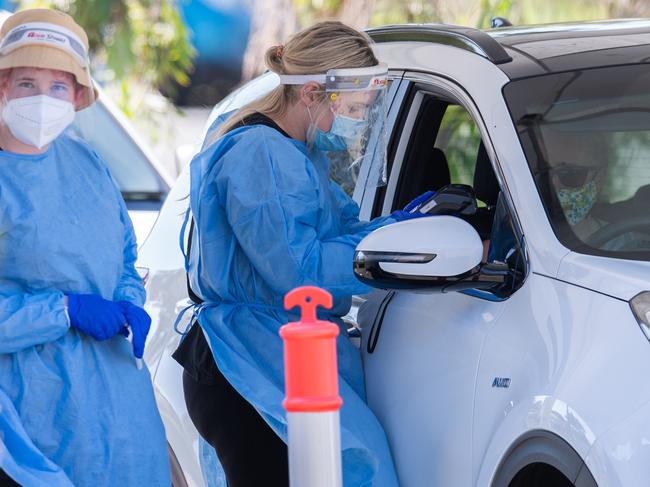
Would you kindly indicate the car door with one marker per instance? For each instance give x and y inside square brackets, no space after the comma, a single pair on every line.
[421,351]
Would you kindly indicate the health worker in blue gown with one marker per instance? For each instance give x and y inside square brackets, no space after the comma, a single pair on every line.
[268,218]
[75,409]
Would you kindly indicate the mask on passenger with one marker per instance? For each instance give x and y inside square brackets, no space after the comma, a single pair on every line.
[576,203]
[37,120]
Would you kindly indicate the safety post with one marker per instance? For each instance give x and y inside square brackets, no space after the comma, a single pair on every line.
[312,397]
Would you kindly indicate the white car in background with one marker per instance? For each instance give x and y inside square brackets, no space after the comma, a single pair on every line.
[143,181]
[529,369]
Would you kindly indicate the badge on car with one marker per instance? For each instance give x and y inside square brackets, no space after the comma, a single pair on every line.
[503,382]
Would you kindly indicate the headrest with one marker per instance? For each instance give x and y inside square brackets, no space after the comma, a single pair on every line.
[486,184]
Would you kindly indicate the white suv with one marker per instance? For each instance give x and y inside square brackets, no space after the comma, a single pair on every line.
[526,366]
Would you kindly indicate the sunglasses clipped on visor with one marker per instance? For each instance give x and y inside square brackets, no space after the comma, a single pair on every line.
[573,175]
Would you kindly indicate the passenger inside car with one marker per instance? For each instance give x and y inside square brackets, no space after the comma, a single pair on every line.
[579,170]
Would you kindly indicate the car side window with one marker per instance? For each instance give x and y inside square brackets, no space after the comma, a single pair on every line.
[459,139]
[444,146]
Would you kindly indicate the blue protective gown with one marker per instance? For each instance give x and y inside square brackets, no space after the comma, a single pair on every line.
[19,458]
[64,229]
[268,219]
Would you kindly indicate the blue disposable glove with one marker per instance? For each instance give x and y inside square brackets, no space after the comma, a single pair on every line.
[95,316]
[419,200]
[401,215]
[140,322]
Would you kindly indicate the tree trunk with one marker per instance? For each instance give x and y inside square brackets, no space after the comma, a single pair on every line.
[273,21]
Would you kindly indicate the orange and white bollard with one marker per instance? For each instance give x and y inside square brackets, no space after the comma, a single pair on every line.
[312,397]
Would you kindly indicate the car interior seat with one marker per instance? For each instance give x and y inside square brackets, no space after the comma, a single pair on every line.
[486,185]
[433,175]
[426,165]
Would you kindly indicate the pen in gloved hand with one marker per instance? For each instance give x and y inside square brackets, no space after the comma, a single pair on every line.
[128,334]
[138,323]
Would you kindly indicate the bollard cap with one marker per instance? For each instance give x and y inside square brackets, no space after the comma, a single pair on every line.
[308,298]
[311,373]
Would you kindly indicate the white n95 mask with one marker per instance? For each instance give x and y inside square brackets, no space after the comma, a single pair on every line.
[37,120]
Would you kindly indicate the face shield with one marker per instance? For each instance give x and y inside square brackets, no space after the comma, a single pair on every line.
[348,126]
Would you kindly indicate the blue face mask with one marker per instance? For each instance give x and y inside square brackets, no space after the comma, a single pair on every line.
[328,141]
[350,129]
[344,131]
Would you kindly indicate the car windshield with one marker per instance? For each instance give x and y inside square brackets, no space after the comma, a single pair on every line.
[586,136]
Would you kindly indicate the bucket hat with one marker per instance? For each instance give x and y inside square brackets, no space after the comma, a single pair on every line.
[46,38]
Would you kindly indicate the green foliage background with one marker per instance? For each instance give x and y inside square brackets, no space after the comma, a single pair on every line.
[477,13]
[133,43]
[141,46]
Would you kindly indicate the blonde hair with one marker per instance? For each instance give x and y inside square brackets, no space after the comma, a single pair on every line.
[314,50]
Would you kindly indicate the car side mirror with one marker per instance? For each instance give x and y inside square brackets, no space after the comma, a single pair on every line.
[435,254]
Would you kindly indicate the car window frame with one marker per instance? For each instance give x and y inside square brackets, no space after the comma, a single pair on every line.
[417,87]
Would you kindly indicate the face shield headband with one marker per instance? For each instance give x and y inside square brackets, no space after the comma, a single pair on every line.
[355,143]
[346,79]
[45,34]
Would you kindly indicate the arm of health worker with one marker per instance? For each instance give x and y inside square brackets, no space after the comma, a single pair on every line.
[350,214]
[277,222]
[27,320]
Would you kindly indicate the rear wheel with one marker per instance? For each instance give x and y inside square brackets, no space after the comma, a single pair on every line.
[540,459]
[540,475]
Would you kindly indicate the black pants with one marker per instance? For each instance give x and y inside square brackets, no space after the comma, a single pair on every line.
[249,450]
[6,481]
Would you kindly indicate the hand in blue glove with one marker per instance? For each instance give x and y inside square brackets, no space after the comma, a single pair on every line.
[401,215]
[419,200]
[95,316]
[140,322]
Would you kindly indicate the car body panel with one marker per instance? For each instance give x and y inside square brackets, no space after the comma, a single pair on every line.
[622,279]
[560,345]
[621,455]
[418,361]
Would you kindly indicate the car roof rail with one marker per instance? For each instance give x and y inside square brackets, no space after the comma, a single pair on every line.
[467,38]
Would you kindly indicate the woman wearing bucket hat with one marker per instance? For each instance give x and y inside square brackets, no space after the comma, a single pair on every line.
[69,291]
